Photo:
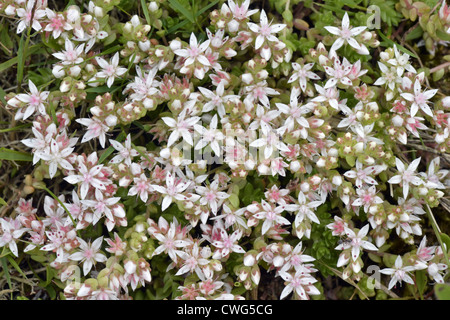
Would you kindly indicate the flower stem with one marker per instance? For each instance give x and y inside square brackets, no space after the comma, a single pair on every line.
[439,67]
[437,232]
[62,205]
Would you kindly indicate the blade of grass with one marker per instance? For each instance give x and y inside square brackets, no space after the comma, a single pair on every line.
[62,205]
[13,155]
[399,47]
[177,6]
[184,22]
[23,48]
[110,149]
[6,272]
[437,233]
[146,13]
[213,3]
[348,280]
[8,64]
[107,51]
[2,96]
[20,61]
[26,125]
[16,266]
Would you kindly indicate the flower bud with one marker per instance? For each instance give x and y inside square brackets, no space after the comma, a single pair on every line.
[250,164]
[233,26]
[73,13]
[249,260]
[304,187]
[65,86]
[175,45]
[247,78]
[337,180]
[58,71]
[10,10]
[153,6]
[111,120]
[294,166]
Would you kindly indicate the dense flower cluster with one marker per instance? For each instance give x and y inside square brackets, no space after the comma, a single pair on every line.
[309,127]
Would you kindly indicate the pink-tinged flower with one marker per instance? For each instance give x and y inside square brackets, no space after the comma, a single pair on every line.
[101,206]
[265,31]
[76,208]
[56,24]
[144,87]
[330,95]
[71,54]
[258,93]
[303,209]
[135,273]
[173,190]
[362,175]
[194,261]
[356,242]
[216,99]
[194,55]
[413,124]
[401,62]
[54,212]
[435,269]
[181,127]
[57,157]
[141,187]
[104,294]
[89,254]
[271,215]
[303,74]
[434,176]
[296,259]
[337,227]
[231,217]
[295,113]
[126,152]
[299,283]
[227,243]
[211,196]
[12,230]
[271,143]
[388,76]
[110,70]
[367,196]
[211,136]
[263,119]
[41,140]
[29,17]
[241,12]
[419,99]
[425,253]
[35,101]
[338,74]
[90,37]
[169,240]
[398,273]
[346,34]
[117,246]
[95,129]
[406,175]
[88,178]
[58,239]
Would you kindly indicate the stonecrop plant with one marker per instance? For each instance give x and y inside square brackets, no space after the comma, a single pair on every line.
[176,149]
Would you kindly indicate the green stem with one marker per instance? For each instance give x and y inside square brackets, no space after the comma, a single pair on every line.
[62,205]
[437,232]
[22,63]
